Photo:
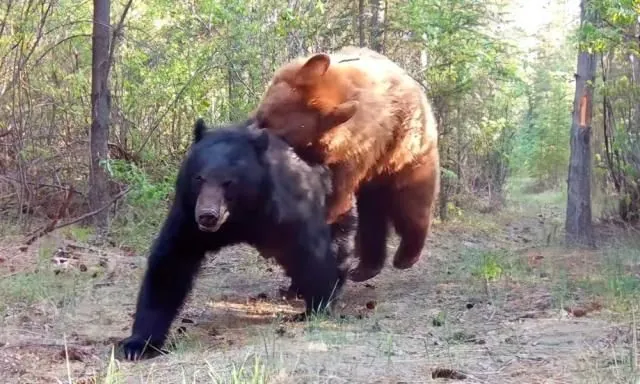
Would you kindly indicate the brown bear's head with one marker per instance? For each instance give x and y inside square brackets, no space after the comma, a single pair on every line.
[305,99]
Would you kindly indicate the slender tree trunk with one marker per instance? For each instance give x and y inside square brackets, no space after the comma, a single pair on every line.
[361,22]
[579,228]
[442,119]
[385,27]
[634,58]
[294,41]
[100,109]
[375,41]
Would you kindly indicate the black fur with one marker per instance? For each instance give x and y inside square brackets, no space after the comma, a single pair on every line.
[241,185]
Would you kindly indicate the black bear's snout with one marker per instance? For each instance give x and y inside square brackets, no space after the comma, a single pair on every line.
[208,219]
[211,221]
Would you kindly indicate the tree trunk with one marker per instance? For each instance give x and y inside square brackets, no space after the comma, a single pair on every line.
[361,21]
[634,58]
[376,25]
[385,28]
[579,228]
[294,40]
[100,109]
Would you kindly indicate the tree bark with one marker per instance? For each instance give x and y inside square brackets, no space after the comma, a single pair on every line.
[361,24]
[376,23]
[578,226]
[100,109]
[294,39]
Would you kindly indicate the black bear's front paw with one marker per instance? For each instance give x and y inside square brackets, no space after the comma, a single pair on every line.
[137,348]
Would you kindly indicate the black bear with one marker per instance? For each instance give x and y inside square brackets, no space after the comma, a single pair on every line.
[238,184]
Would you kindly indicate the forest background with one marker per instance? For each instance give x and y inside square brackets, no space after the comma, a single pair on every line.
[95,118]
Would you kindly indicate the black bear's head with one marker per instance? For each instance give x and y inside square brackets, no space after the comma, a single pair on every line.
[227,174]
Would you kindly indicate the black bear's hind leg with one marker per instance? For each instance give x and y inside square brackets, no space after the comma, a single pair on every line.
[342,247]
[316,274]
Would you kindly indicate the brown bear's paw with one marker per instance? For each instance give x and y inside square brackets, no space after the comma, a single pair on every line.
[404,262]
[363,273]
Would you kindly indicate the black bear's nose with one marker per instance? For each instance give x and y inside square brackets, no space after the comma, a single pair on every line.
[207,219]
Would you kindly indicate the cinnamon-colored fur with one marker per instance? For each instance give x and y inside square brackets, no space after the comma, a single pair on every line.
[365,117]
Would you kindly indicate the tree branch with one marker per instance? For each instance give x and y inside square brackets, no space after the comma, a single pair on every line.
[53,225]
[116,32]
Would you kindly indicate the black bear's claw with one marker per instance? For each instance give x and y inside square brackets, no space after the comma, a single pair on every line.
[137,348]
[294,318]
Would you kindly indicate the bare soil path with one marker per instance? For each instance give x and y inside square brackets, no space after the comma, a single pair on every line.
[490,302]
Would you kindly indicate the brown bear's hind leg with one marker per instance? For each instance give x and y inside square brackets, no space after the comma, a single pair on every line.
[411,216]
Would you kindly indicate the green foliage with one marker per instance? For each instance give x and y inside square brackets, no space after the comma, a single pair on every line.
[146,204]
[500,108]
[488,266]
[542,144]
[612,35]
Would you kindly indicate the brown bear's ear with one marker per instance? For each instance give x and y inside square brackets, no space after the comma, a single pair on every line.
[340,114]
[313,69]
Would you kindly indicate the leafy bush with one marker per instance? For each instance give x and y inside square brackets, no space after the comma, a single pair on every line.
[145,206]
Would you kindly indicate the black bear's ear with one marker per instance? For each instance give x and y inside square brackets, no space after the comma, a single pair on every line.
[199,130]
[260,140]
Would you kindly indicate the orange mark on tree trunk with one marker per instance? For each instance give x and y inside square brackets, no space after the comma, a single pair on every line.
[583,111]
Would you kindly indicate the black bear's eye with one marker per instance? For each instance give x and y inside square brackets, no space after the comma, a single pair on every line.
[199,178]
[226,183]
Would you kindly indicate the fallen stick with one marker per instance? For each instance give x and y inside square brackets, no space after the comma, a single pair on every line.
[53,225]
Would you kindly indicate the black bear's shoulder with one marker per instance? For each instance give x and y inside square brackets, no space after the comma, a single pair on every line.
[311,183]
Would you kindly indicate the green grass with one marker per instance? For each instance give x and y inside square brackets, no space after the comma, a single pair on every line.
[520,195]
[78,233]
[619,282]
[27,288]
[59,286]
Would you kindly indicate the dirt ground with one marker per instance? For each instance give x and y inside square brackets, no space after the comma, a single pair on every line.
[493,300]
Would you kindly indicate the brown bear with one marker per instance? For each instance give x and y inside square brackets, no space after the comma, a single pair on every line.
[371,123]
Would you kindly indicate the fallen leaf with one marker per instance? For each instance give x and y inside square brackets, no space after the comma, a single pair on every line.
[71,353]
[576,311]
[446,373]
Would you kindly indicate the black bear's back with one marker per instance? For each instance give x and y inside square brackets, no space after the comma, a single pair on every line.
[305,183]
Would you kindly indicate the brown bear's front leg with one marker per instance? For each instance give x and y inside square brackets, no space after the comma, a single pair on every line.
[344,182]
[371,237]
